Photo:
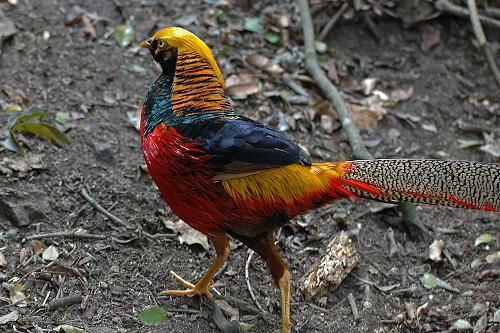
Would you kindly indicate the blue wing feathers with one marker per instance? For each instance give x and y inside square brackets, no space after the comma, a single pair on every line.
[243,141]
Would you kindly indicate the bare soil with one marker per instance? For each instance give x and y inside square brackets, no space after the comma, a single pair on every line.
[120,275]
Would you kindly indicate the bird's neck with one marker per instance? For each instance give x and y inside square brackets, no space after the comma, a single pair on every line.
[186,92]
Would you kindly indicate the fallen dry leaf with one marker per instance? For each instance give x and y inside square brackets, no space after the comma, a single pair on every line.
[9,317]
[430,127]
[37,246]
[88,28]
[15,95]
[17,296]
[264,63]
[3,261]
[242,85]
[23,164]
[50,253]
[492,149]
[368,85]
[431,36]
[68,329]
[369,115]
[187,234]
[332,72]
[435,250]
[134,118]
[401,95]
[7,28]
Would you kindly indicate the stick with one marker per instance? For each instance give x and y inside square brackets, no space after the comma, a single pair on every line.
[481,38]
[65,301]
[358,149]
[448,7]
[247,279]
[354,308]
[101,209]
[329,26]
[66,234]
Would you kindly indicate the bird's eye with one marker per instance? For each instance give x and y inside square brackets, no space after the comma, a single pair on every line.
[161,44]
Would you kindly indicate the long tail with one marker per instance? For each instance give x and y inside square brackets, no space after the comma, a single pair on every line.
[449,183]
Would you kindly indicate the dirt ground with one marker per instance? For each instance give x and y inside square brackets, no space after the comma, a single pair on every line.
[120,274]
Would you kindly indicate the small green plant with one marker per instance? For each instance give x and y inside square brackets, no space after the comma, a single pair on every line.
[29,122]
[153,315]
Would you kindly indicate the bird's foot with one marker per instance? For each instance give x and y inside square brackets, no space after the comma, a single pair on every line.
[200,288]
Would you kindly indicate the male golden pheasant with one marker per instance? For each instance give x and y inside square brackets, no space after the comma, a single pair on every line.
[223,173]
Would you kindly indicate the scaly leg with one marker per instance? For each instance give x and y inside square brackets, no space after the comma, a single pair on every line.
[201,287]
[264,245]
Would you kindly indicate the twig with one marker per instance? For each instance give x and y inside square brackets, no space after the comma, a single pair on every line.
[329,26]
[66,234]
[226,326]
[354,308]
[356,142]
[372,27]
[492,11]
[65,301]
[448,7]
[247,279]
[290,82]
[393,248]
[481,38]
[101,209]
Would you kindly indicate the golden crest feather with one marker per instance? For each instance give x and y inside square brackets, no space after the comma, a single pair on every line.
[185,40]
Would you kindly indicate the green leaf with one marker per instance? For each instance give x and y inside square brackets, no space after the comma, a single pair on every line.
[43,130]
[483,239]
[464,144]
[13,108]
[253,24]
[11,143]
[272,38]
[22,117]
[221,16]
[153,315]
[320,47]
[125,34]
[429,281]
[62,117]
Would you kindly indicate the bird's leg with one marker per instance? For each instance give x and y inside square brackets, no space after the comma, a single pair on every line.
[264,245]
[201,287]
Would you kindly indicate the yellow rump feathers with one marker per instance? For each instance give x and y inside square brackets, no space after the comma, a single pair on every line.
[284,185]
[185,40]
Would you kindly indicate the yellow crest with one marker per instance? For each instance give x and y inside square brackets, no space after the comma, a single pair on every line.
[185,40]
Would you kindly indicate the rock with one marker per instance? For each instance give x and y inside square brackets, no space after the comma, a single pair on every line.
[103,152]
[22,208]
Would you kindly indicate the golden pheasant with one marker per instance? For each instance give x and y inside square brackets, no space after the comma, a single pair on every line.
[223,173]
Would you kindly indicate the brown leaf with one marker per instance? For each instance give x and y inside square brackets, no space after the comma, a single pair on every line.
[187,234]
[240,86]
[88,27]
[368,116]
[400,95]
[15,95]
[332,72]
[264,63]
[37,246]
[431,36]
[23,164]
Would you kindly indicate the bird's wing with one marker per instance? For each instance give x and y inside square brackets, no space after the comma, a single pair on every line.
[242,147]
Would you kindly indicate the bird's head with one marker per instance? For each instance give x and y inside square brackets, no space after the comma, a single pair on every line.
[167,43]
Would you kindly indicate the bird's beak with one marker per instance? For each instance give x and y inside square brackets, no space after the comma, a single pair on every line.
[147,43]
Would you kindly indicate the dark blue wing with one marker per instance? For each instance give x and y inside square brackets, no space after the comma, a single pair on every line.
[243,145]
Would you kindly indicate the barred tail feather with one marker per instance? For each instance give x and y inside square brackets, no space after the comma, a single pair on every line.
[448,183]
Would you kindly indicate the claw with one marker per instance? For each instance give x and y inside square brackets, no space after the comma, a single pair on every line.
[201,288]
